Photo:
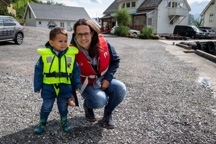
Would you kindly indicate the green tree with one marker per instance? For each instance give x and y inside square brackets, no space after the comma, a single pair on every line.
[198,22]
[122,17]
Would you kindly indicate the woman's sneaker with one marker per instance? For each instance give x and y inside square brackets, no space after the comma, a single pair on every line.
[108,121]
[89,114]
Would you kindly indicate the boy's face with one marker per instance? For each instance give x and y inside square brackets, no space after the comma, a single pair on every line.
[59,43]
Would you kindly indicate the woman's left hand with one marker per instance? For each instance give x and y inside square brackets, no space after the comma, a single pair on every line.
[105,84]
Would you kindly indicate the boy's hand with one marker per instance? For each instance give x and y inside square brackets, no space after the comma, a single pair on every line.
[71,101]
[38,92]
[77,89]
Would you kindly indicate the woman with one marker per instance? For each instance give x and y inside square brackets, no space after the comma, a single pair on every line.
[98,62]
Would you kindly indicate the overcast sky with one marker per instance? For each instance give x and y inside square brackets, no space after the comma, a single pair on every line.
[95,8]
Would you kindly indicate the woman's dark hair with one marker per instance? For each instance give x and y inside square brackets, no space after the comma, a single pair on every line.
[93,50]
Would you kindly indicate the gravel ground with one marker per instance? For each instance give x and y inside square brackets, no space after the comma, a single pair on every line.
[164,101]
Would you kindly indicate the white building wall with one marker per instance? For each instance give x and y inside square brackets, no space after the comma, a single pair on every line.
[163,23]
[68,25]
[207,22]
[30,21]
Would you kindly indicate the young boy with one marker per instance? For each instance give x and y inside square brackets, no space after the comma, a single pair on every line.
[55,70]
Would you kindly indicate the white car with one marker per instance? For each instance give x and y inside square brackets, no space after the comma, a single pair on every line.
[132,31]
[209,33]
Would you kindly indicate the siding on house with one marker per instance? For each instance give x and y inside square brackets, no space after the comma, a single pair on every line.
[210,10]
[163,21]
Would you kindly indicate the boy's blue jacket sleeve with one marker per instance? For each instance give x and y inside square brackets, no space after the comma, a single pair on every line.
[76,80]
[114,63]
[38,75]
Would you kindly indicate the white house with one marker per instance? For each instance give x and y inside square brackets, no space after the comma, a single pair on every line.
[209,15]
[162,15]
[49,16]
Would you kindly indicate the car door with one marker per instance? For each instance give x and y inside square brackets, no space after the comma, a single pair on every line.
[9,28]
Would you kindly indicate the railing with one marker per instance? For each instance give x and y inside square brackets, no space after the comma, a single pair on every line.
[177,11]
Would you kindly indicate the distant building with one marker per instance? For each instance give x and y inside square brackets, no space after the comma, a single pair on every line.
[8,5]
[49,16]
[162,15]
[209,15]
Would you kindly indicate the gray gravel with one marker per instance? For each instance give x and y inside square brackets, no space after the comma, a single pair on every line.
[164,101]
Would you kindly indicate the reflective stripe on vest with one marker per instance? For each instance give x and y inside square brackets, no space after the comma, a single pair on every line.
[57,70]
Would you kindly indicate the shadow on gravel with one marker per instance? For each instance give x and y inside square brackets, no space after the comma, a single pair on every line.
[81,133]
[7,43]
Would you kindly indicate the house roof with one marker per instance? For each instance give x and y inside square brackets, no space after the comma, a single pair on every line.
[112,8]
[207,7]
[55,12]
[149,4]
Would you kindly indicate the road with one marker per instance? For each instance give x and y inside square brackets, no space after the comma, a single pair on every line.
[165,103]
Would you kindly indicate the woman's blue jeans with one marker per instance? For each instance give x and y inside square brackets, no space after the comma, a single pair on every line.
[47,105]
[110,98]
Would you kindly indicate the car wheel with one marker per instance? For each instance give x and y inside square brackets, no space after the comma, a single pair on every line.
[193,37]
[19,39]
[211,48]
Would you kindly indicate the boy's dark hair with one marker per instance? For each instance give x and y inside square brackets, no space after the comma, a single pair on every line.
[55,31]
[93,50]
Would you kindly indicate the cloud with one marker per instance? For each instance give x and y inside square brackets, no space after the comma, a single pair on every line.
[95,12]
[198,1]
[67,2]
[97,1]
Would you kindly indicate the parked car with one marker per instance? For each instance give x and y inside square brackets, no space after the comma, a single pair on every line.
[132,31]
[189,31]
[10,29]
[208,31]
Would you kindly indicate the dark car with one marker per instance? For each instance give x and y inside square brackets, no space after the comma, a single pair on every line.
[188,31]
[10,29]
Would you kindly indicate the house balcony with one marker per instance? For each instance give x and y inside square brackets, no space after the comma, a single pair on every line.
[177,12]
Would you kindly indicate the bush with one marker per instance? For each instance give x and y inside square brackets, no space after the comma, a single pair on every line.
[154,37]
[121,30]
[146,32]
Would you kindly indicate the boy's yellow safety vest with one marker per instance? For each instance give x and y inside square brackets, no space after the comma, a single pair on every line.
[57,70]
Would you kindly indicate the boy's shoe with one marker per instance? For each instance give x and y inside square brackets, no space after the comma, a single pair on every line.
[107,119]
[64,124]
[89,114]
[41,126]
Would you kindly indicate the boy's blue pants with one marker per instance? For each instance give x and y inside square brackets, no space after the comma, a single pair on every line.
[47,105]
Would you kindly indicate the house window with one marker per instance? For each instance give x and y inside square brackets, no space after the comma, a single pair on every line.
[62,24]
[181,4]
[149,21]
[211,16]
[174,4]
[123,5]
[166,3]
[128,4]
[29,13]
[133,4]
[169,4]
[39,22]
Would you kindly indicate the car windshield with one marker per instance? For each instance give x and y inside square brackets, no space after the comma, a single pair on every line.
[196,29]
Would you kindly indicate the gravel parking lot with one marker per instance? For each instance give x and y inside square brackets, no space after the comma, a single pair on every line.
[165,103]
